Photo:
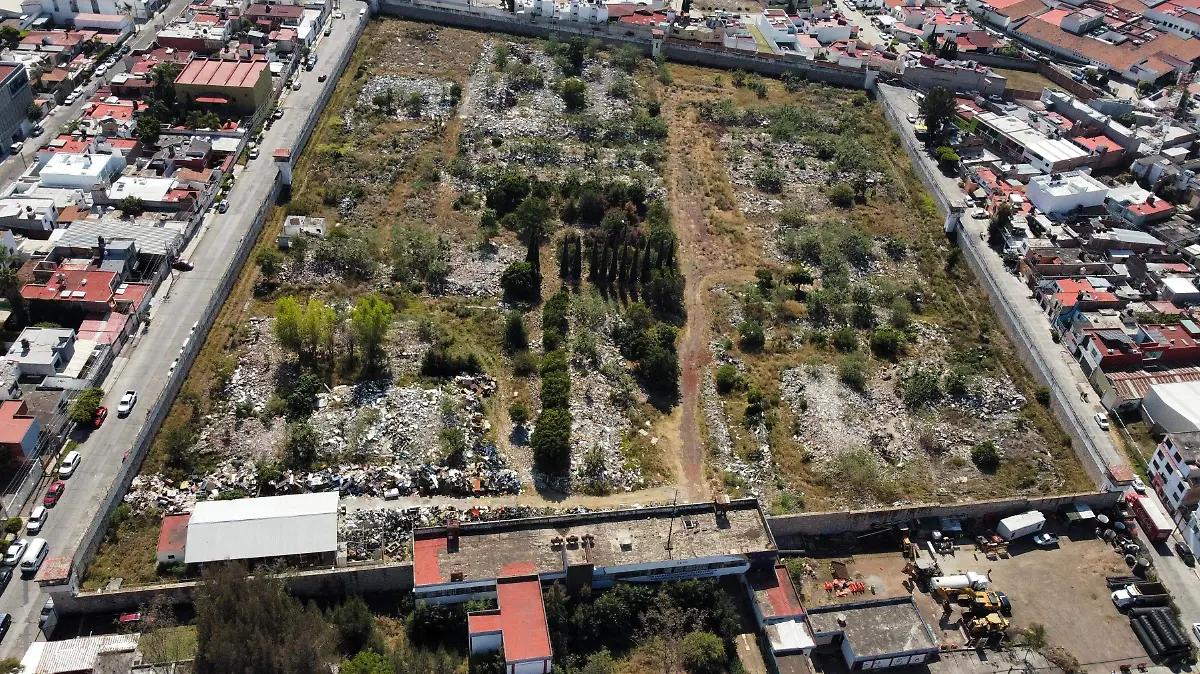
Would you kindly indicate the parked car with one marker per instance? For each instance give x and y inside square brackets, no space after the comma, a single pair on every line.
[253,154]
[125,49]
[127,402]
[16,147]
[5,576]
[321,77]
[337,14]
[101,415]
[328,30]
[182,264]
[1101,421]
[1138,485]
[37,520]
[296,85]
[54,493]
[129,618]
[37,130]
[223,206]
[101,69]
[278,114]
[15,551]
[5,620]
[1185,553]
[1046,540]
[69,464]
[1196,629]
[362,12]
[71,98]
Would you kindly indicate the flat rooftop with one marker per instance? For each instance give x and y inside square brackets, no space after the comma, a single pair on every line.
[774,592]
[875,628]
[620,538]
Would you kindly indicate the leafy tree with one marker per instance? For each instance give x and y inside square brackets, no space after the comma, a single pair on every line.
[600,662]
[921,388]
[519,413]
[938,109]
[354,625]
[367,662]
[10,286]
[727,378]
[574,94]
[626,57]
[83,412]
[132,206]
[516,337]
[148,128]
[888,342]
[269,262]
[10,37]
[370,320]
[1000,223]
[519,281]
[251,624]
[659,365]
[300,447]
[751,336]
[703,653]
[551,440]
[302,400]
[986,456]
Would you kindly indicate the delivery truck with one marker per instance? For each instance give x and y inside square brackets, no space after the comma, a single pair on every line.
[1150,517]
[1021,525]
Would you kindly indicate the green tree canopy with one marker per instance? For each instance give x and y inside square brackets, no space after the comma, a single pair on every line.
[370,320]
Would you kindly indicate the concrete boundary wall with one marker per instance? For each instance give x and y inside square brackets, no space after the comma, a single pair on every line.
[502,22]
[316,584]
[817,524]
[90,544]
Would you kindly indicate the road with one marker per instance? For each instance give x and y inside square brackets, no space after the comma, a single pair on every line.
[14,165]
[1055,364]
[177,307]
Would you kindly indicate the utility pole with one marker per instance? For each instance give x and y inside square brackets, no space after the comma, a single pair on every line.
[671,529]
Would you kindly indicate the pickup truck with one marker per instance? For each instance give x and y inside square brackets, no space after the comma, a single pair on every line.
[1141,594]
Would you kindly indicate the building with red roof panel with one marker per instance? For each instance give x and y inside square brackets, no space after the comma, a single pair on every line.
[233,86]
[18,429]
[518,626]
[172,539]
[87,290]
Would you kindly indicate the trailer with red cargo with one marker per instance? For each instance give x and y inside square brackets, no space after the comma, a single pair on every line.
[1155,523]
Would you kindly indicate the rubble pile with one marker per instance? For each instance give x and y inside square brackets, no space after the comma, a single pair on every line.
[375,533]
[734,306]
[253,380]
[755,473]
[396,89]
[475,272]
[596,422]
[745,152]
[989,398]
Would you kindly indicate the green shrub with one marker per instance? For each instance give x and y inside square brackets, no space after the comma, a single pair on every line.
[525,363]
[844,339]
[888,342]
[703,653]
[842,194]
[751,336]
[520,282]
[852,371]
[519,413]
[1042,394]
[986,456]
[923,387]
[727,378]
[516,337]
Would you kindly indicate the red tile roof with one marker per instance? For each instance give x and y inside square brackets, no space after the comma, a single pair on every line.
[96,286]
[15,422]
[425,560]
[5,71]
[208,72]
[173,535]
[523,619]
[483,622]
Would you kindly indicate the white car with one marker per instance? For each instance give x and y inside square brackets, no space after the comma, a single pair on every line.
[1101,421]
[16,551]
[253,153]
[337,14]
[37,520]
[71,98]
[223,206]
[127,402]
[69,463]
[1138,485]
[296,85]
[101,69]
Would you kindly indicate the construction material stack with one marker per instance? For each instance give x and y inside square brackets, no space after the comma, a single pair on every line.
[1159,633]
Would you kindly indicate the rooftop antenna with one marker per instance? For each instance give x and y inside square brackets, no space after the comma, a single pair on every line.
[671,529]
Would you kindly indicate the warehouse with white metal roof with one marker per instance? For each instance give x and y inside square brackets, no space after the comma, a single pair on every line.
[258,528]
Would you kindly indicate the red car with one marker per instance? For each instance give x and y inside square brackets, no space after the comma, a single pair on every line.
[54,493]
[101,415]
[128,618]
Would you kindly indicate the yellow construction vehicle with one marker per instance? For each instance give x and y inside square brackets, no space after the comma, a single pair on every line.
[992,601]
[992,623]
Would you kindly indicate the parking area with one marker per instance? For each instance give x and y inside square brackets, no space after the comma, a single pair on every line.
[1061,588]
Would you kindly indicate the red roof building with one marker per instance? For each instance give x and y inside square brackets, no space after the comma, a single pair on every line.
[240,86]
[18,429]
[87,290]
[518,625]
[172,538]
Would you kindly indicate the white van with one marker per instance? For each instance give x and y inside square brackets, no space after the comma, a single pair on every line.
[34,556]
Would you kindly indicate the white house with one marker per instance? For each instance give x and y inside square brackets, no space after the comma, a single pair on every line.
[80,171]
[1064,192]
[43,351]
[28,214]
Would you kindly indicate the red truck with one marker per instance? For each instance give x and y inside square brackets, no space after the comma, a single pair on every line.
[1150,517]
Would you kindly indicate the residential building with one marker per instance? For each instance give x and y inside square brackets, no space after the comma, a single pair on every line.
[19,430]
[271,17]
[1065,192]
[43,351]
[203,33]
[1122,391]
[91,291]
[234,87]
[1175,467]
[1181,292]
[1105,151]
[927,72]
[1172,408]
[164,194]
[79,171]
[119,24]
[1017,137]
[28,215]
[1137,206]
[1151,60]
[15,99]
[1181,17]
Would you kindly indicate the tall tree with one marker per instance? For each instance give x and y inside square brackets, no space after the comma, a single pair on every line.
[10,287]
[251,625]
[938,108]
[370,320]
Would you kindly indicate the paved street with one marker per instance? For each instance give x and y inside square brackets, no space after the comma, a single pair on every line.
[176,309]
[1055,363]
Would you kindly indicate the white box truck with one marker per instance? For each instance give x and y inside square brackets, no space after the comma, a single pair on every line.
[1021,525]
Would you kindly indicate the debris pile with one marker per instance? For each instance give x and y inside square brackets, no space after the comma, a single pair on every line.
[475,272]
[376,533]
[391,95]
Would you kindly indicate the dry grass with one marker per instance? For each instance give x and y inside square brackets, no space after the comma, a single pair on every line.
[1019,79]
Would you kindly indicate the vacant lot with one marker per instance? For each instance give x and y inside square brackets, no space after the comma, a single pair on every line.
[1019,79]
[851,360]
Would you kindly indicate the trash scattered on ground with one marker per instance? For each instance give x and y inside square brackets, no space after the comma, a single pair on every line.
[393,96]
